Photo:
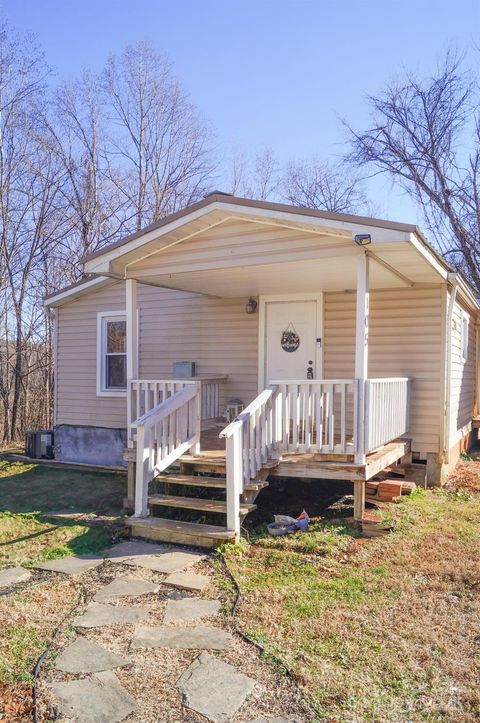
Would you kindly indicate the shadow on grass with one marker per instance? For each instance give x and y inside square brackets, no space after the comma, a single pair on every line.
[34,488]
[30,494]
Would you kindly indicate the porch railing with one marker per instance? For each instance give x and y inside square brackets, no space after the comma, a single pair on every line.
[319,416]
[164,433]
[145,394]
[386,410]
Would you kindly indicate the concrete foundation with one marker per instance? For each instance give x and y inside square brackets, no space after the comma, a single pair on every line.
[91,445]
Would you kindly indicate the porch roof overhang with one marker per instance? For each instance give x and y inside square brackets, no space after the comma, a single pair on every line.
[230,247]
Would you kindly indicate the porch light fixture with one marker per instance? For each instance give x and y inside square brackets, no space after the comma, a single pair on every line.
[251,305]
[363,239]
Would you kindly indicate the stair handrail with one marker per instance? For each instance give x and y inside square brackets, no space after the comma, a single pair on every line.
[252,407]
[249,440]
[164,433]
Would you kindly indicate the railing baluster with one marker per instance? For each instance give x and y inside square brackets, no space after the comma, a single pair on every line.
[343,416]
[386,411]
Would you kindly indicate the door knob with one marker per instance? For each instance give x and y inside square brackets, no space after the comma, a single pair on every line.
[310,370]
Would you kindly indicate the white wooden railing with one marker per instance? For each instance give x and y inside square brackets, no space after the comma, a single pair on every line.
[164,433]
[145,394]
[250,440]
[319,416]
[386,410]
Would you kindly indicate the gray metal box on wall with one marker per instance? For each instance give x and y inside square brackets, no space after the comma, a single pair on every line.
[185,369]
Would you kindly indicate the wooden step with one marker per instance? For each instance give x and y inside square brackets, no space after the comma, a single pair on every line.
[197,503]
[219,483]
[202,463]
[212,482]
[182,533]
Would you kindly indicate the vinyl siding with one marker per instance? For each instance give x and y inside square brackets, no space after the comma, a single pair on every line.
[405,339]
[462,389]
[174,326]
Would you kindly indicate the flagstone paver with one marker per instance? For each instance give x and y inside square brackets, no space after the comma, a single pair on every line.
[190,608]
[214,688]
[187,581]
[197,638]
[125,587]
[99,699]
[74,565]
[97,615]
[167,562]
[130,549]
[85,656]
[209,686]
[12,575]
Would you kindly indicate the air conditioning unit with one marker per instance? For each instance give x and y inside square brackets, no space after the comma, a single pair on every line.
[39,444]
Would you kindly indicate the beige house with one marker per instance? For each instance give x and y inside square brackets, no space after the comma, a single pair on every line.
[343,343]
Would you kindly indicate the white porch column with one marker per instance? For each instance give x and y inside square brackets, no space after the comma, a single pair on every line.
[132,345]
[132,328]
[361,352]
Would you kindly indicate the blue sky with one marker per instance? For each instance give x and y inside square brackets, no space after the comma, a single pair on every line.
[266,73]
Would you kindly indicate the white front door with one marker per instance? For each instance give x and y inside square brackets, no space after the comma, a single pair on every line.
[292,340]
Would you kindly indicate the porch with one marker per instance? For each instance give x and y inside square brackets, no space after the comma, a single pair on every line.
[319,429]
[312,414]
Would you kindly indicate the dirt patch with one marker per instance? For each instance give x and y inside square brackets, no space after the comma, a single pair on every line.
[466,476]
[16,703]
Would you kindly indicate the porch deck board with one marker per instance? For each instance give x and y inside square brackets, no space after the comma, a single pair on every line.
[307,465]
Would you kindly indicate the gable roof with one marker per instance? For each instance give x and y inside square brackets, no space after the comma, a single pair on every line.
[221,203]
[226,198]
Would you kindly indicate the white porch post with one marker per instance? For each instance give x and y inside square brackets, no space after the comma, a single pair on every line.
[361,352]
[132,371]
[132,346]
[132,329]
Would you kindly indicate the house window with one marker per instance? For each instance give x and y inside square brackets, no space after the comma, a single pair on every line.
[464,336]
[112,353]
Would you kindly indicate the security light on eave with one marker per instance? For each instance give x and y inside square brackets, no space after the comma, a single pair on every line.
[363,239]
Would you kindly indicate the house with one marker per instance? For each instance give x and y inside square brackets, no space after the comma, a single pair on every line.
[348,341]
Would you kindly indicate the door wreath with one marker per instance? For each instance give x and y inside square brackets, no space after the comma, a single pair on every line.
[290,340]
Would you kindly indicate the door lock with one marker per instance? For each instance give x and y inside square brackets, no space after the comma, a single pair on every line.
[310,370]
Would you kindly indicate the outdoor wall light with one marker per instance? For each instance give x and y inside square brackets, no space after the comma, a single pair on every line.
[251,305]
[363,239]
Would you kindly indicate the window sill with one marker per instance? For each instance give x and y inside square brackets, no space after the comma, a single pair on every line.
[112,393]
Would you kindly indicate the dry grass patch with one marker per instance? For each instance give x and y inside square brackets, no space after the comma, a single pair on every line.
[383,631]
[27,621]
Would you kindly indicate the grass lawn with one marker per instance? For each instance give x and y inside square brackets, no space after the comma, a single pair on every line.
[382,629]
[28,493]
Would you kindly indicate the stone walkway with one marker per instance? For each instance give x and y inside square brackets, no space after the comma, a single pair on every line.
[150,616]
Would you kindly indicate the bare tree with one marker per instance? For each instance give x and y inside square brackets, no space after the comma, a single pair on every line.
[29,222]
[258,177]
[425,133]
[76,137]
[158,151]
[318,184]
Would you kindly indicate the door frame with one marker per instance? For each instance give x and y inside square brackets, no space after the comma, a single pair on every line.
[262,329]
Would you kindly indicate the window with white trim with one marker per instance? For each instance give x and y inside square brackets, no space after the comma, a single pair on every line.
[464,336]
[112,351]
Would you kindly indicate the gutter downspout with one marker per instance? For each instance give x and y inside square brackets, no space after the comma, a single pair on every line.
[448,375]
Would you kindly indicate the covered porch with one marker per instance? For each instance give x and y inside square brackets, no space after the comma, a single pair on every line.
[307,425]
[324,428]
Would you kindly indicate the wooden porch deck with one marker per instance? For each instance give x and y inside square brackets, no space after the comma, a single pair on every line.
[305,465]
